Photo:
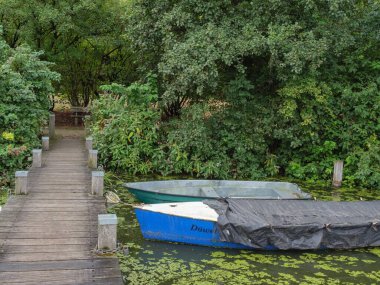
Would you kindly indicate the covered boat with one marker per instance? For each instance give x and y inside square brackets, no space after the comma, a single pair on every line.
[198,190]
[271,224]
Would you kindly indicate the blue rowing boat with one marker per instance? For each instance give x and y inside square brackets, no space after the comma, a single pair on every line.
[187,222]
[263,224]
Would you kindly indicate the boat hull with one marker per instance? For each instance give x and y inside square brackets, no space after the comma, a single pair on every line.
[164,227]
[171,191]
[155,198]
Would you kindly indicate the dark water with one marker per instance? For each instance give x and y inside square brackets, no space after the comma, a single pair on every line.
[151,262]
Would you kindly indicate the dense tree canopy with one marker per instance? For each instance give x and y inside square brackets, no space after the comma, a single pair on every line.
[198,47]
[289,86]
[84,39]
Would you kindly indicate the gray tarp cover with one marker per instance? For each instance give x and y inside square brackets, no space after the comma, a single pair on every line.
[300,224]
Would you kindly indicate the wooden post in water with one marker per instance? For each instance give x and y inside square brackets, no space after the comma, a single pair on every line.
[21,185]
[93,158]
[51,125]
[107,233]
[37,158]
[338,173]
[45,143]
[89,143]
[97,183]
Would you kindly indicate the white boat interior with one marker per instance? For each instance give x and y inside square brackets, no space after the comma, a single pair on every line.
[193,210]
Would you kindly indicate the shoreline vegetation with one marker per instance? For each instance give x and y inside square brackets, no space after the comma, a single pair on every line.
[224,90]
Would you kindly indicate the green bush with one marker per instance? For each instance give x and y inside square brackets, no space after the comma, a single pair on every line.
[25,86]
[241,137]
[125,127]
[205,141]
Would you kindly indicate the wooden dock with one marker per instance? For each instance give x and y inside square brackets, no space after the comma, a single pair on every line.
[47,236]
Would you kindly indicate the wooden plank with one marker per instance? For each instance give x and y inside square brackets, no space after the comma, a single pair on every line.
[82,207]
[60,179]
[44,256]
[47,218]
[73,176]
[47,215]
[47,235]
[52,174]
[63,183]
[43,208]
[59,274]
[59,202]
[48,229]
[47,223]
[54,275]
[45,248]
[56,241]
[42,190]
[44,276]
[79,186]
[57,196]
[54,265]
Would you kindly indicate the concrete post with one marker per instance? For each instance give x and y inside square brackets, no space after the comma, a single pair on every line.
[97,183]
[37,158]
[51,125]
[338,173]
[89,143]
[93,158]
[45,143]
[87,123]
[21,186]
[107,233]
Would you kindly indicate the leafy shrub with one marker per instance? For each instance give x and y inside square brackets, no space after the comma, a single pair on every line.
[206,141]
[25,85]
[363,164]
[242,136]
[125,127]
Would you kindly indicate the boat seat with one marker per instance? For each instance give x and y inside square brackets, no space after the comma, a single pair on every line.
[209,192]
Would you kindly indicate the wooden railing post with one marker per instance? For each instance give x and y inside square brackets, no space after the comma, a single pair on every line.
[21,183]
[37,158]
[338,173]
[51,125]
[107,232]
[45,143]
[97,183]
[93,158]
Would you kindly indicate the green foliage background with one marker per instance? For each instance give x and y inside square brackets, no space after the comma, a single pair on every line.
[25,86]
[250,89]
[222,89]
[83,38]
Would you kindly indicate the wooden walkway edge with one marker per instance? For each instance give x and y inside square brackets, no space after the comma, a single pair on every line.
[47,236]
